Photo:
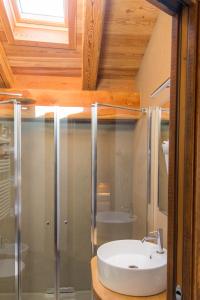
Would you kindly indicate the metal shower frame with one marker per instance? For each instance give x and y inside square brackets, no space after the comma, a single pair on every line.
[94,162]
[17,175]
[17,198]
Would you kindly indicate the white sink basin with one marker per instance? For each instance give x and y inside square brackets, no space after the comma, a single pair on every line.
[9,249]
[7,267]
[115,217]
[132,268]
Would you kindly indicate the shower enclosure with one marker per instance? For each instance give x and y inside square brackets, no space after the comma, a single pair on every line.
[52,219]
[45,243]
[120,162]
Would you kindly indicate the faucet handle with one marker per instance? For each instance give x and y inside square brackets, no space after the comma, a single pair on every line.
[153,233]
[158,232]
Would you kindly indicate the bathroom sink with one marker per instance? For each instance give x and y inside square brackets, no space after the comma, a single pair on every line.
[9,249]
[7,267]
[132,268]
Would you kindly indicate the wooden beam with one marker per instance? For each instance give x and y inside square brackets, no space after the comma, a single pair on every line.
[71,83]
[93,28]
[77,98]
[5,70]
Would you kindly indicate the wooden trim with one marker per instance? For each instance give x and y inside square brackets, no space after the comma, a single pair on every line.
[5,70]
[189,265]
[182,138]
[181,125]
[72,9]
[93,29]
[7,20]
[173,168]
[196,225]
[78,98]
[171,7]
[183,216]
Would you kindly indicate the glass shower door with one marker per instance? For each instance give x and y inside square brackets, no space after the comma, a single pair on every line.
[119,173]
[38,280]
[74,197]
[10,265]
[55,210]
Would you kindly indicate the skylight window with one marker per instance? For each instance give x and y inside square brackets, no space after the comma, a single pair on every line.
[42,10]
[40,21]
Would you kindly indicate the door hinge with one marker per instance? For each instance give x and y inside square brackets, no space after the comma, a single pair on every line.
[179,295]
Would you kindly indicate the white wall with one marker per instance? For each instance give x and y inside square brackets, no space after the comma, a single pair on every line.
[156,63]
[154,70]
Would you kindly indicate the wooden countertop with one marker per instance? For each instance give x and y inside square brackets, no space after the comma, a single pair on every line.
[102,293]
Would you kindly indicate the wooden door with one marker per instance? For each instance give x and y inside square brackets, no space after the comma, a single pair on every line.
[184,169]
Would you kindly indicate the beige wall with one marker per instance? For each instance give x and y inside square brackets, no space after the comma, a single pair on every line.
[154,70]
[156,63]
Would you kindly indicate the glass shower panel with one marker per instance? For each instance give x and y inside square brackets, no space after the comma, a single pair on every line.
[37,207]
[121,174]
[163,160]
[75,202]
[8,160]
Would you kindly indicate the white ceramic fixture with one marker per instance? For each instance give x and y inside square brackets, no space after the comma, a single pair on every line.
[9,249]
[7,267]
[115,217]
[132,268]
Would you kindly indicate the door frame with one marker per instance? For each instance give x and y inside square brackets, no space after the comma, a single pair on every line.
[184,162]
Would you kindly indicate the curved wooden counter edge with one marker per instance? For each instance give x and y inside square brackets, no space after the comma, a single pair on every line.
[102,293]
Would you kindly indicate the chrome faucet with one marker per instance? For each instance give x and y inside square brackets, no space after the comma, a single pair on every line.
[158,237]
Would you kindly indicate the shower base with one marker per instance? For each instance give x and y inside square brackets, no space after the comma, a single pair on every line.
[82,295]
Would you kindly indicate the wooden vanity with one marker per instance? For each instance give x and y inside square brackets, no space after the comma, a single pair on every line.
[102,293]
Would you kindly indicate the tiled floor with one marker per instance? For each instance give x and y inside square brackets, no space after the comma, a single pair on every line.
[83,295]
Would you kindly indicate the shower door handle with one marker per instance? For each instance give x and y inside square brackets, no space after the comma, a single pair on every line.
[65,222]
[47,222]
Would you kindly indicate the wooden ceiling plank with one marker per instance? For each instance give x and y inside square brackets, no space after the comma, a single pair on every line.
[78,98]
[128,26]
[5,70]
[93,29]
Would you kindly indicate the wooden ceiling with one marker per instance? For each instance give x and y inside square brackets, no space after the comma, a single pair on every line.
[110,46]
[127,29]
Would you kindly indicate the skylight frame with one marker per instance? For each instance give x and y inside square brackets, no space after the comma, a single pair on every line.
[26,18]
[42,34]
